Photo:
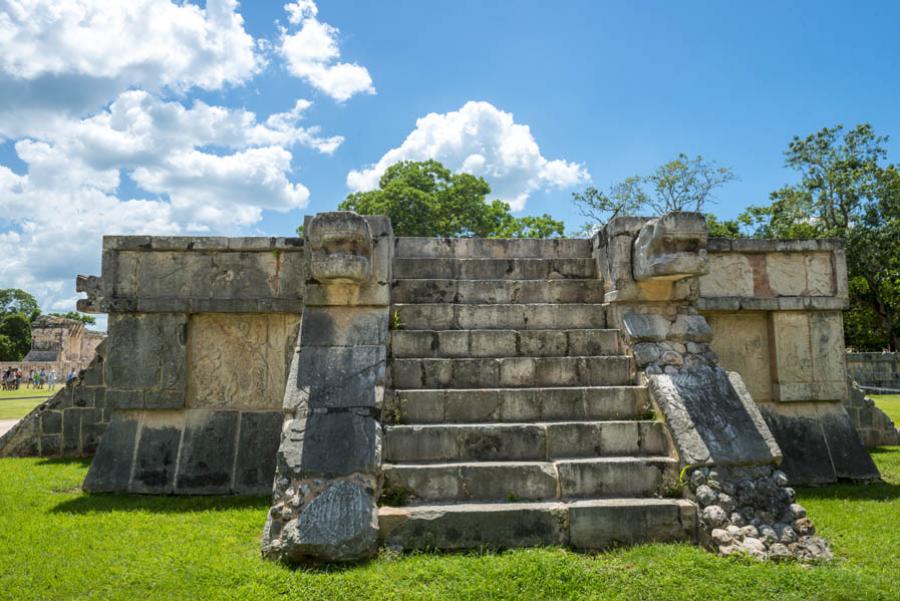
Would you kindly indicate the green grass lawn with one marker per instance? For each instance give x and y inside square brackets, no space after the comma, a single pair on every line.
[890,404]
[58,543]
[15,403]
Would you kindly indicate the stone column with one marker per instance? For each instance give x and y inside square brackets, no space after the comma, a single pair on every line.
[328,465]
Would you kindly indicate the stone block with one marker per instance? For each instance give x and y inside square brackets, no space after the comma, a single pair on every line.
[597,525]
[150,351]
[613,476]
[474,525]
[110,470]
[340,524]
[344,326]
[51,445]
[206,460]
[649,327]
[730,274]
[71,433]
[157,452]
[260,435]
[671,247]
[51,422]
[239,361]
[331,445]
[691,327]
[341,376]
[741,340]
[712,418]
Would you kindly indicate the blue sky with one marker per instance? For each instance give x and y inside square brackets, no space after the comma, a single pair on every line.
[99,130]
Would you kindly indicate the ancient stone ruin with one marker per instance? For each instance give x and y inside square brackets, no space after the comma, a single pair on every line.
[648,384]
[58,344]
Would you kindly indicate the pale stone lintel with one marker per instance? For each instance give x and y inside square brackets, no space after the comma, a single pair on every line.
[753,245]
[202,243]
[781,303]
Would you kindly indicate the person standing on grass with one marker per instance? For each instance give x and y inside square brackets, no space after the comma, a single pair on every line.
[18,378]
[30,378]
[51,379]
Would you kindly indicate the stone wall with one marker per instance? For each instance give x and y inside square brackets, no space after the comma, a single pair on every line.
[202,330]
[875,370]
[775,311]
[874,426]
[69,423]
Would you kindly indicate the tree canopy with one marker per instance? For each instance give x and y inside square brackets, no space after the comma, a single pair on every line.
[846,191]
[17,310]
[78,316]
[682,184]
[424,198]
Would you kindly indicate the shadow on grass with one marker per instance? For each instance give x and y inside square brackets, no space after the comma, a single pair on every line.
[874,491]
[93,503]
[84,462]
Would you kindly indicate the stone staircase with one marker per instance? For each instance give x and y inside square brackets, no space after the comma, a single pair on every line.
[514,418]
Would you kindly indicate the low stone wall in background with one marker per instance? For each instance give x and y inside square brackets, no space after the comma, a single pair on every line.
[875,370]
[874,426]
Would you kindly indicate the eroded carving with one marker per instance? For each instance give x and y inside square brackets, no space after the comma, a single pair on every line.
[92,285]
[340,245]
[671,247]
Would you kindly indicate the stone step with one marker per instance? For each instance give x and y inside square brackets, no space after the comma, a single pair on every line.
[511,372]
[499,316]
[529,480]
[503,343]
[535,441]
[593,524]
[520,248]
[497,291]
[520,404]
[494,269]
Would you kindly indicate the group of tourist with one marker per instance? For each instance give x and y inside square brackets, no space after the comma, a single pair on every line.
[11,378]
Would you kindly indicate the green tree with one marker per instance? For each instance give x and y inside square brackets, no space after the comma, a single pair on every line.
[14,300]
[424,198]
[683,184]
[845,191]
[78,316]
[730,228]
[16,328]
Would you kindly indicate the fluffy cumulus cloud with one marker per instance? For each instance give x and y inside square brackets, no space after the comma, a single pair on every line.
[74,56]
[94,103]
[198,169]
[483,140]
[312,54]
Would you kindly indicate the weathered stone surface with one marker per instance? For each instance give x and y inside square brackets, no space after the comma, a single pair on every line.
[206,457]
[349,376]
[257,447]
[238,361]
[711,421]
[149,355]
[340,524]
[649,327]
[671,247]
[156,457]
[328,445]
[599,525]
[110,470]
[474,525]
[340,248]
[873,425]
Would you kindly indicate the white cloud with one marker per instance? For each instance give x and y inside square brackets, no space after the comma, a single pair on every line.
[485,141]
[312,54]
[72,57]
[202,169]
[143,42]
